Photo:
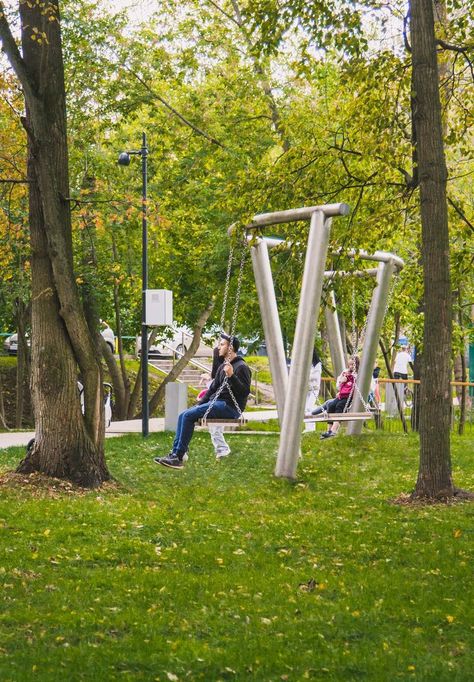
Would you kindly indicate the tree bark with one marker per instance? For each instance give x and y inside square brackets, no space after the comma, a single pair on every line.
[67,444]
[3,422]
[434,474]
[123,388]
[23,363]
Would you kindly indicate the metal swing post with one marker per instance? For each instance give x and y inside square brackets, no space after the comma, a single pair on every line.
[333,328]
[270,322]
[375,320]
[308,311]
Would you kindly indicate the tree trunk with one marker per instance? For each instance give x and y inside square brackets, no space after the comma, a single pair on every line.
[67,444]
[415,410]
[122,384]
[121,395]
[182,362]
[136,392]
[3,422]
[22,364]
[434,474]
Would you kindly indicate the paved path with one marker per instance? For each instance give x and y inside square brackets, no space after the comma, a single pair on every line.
[19,438]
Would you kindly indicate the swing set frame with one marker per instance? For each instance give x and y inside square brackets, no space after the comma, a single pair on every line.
[294,383]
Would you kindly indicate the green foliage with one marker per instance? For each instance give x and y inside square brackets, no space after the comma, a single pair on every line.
[221,572]
[291,104]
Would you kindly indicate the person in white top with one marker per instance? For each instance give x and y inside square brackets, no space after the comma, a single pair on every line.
[314,385]
[402,360]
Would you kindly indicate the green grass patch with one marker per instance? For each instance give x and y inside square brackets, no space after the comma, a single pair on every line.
[7,362]
[260,368]
[222,572]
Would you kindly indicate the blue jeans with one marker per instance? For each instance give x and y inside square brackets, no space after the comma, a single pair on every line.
[188,418]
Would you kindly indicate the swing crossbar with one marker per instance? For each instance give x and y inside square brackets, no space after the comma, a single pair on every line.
[339,417]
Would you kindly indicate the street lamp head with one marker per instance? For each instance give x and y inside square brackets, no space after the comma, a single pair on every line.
[124,159]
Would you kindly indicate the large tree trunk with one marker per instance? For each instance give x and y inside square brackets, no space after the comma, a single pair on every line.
[68,444]
[434,474]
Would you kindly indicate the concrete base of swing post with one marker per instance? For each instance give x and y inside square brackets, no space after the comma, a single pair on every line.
[176,401]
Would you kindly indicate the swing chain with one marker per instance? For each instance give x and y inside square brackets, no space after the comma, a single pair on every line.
[362,338]
[237,293]
[226,288]
[354,330]
[233,323]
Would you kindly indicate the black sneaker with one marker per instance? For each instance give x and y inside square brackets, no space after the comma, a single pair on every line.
[173,461]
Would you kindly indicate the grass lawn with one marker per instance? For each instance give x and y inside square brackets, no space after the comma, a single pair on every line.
[221,572]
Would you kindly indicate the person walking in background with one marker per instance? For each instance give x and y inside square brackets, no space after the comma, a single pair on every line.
[374,393]
[402,360]
[400,370]
[314,385]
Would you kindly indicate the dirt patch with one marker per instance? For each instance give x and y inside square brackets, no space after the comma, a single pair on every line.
[42,486]
[408,500]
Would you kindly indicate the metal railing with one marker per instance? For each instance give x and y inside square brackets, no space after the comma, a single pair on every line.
[393,413]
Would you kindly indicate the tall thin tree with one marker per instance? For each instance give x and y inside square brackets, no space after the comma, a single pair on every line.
[434,474]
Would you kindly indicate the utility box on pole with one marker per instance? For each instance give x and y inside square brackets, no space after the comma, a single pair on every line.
[159,307]
[176,401]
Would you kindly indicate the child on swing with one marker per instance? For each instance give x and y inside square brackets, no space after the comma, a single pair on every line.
[345,385]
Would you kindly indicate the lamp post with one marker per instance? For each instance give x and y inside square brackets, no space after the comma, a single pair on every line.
[124,160]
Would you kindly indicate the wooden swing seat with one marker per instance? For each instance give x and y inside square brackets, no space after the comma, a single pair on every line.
[221,422]
[339,417]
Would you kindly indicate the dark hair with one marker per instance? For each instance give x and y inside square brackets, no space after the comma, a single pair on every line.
[315,359]
[233,340]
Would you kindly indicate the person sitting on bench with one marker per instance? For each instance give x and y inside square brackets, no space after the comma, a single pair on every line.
[345,385]
[236,375]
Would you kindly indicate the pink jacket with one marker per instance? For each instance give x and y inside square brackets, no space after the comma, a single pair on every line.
[347,384]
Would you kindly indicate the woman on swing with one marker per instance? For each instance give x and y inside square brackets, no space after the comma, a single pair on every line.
[345,385]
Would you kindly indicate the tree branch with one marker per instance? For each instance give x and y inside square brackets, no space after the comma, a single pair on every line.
[173,110]
[406,42]
[460,213]
[13,53]
[228,16]
[454,48]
